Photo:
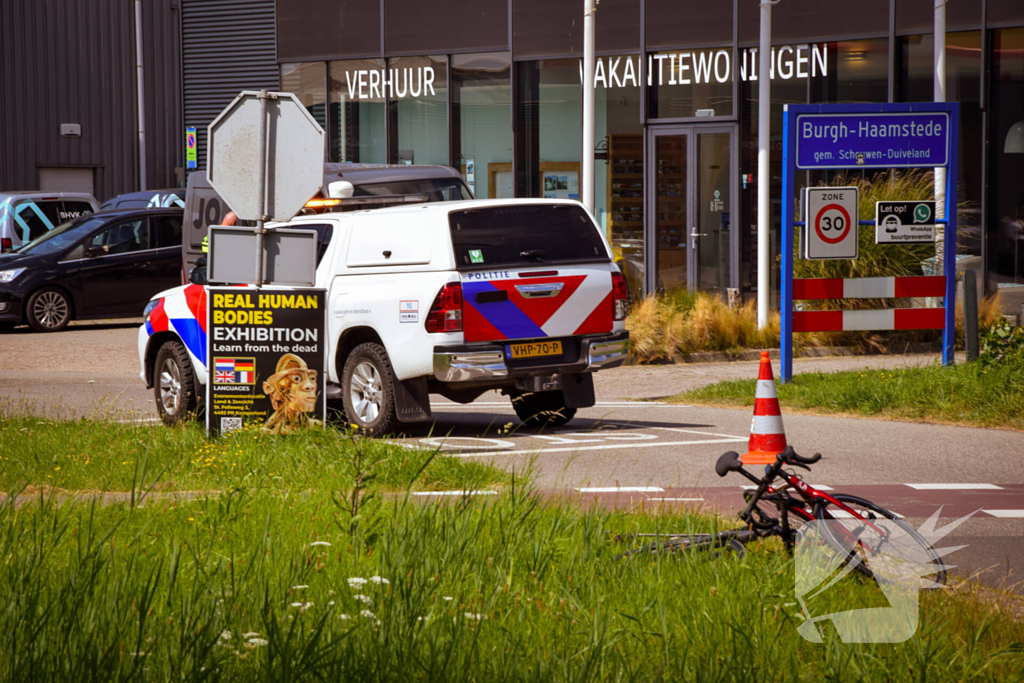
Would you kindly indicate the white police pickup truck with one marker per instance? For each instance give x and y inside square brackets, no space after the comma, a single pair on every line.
[452,298]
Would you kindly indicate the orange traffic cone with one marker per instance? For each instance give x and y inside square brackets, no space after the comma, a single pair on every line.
[767,436]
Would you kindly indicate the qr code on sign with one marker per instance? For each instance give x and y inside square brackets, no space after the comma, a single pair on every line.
[230,424]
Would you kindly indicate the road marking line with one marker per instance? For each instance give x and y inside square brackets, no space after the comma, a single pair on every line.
[599,404]
[953,487]
[677,429]
[621,489]
[1008,514]
[820,487]
[679,499]
[539,451]
[454,493]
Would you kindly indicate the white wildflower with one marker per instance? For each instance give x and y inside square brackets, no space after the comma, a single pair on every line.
[448,598]
[303,606]
[475,617]
[323,544]
[380,580]
[356,582]
[365,599]
[344,617]
[256,642]
[300,587]
[330,603]
[422,618]
[250,634]
[368,614]
[226,635]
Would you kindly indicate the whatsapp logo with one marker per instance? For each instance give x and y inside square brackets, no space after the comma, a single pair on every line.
[922,213]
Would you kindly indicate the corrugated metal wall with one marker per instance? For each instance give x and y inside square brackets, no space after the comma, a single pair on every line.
[227,46]
[161,59]
[68,61]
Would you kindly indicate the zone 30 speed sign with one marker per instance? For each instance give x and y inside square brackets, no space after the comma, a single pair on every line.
[830,223]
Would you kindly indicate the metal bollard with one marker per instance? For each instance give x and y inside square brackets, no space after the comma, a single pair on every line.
[970,315]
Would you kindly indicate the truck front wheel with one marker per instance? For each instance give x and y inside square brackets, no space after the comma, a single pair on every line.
[540,408]
[368,389]
[174,384]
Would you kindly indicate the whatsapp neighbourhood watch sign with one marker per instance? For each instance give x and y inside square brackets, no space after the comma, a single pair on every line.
[906,222]
[266,350]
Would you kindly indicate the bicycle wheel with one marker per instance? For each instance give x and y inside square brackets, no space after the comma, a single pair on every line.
[707,546]
[884,545]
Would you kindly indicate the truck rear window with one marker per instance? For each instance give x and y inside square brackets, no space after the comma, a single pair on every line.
[525,235]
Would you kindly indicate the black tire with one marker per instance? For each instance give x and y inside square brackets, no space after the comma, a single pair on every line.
[873,545]
[698,546]
[542,408]
[174,384]
[49,310]
[368,390]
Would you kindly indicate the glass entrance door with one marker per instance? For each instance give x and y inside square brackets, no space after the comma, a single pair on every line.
[690,198]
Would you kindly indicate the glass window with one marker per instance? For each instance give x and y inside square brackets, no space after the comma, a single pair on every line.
[915,83]
[308,82]
[481,122]
[357,111]
[168,231]
[418,90]
[550,122]
[686,83]
[619,171]
[858,71]
[1006,203]
[33,219]
[530,235]
[122,238]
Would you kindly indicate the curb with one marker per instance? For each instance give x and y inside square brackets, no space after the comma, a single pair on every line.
[806,352]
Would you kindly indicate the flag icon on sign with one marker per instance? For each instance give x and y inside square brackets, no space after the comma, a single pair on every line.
[234,371]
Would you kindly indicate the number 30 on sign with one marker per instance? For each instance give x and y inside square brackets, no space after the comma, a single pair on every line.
[830,223]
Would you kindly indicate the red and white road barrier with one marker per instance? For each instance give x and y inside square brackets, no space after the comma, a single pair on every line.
[883,319]
[869,288]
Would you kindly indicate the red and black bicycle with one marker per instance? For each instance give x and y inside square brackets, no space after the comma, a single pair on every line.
[856,527]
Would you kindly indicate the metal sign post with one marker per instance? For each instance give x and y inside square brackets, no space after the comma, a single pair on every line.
[274,134]
[868,136]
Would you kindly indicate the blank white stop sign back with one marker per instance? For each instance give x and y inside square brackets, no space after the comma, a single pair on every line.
[831,222]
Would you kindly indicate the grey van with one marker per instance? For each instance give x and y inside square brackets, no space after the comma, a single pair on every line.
[24,216]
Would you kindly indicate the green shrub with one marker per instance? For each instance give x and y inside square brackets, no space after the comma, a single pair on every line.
[1001,344]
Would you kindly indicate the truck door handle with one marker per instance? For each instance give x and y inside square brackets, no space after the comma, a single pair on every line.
[548,289]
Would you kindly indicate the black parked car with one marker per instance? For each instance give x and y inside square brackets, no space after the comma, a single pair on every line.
[106,265]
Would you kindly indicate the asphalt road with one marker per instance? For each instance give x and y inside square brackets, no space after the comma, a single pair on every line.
[625,452]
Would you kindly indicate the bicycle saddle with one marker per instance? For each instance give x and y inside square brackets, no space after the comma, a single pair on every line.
[728,462]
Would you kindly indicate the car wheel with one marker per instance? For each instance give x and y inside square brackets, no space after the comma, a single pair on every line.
[542,408]
[174,384]
[49,310]
[368,389]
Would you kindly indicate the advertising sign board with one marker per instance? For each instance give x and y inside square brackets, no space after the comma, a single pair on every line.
[266,351]
[903,222]
[830,230]
[872,140]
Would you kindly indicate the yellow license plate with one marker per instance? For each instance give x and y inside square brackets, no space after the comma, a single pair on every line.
[552,348]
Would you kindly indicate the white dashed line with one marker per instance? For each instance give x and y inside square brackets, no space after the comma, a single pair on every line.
[955,487]
[666,500]
[454,493]
[1007,514]
[607,447]
[622,489]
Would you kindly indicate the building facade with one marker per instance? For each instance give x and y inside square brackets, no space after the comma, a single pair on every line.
[493,88]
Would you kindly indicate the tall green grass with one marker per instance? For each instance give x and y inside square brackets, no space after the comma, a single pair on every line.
[969,394]
[260,585]
[108,456]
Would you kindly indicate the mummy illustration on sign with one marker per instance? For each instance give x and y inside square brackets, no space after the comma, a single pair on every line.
[292,393]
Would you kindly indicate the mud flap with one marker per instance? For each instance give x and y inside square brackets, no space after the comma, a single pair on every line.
[412,402]
[578,390]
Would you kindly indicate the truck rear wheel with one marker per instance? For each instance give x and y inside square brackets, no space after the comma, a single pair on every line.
[368,389]
[542,408]
[174,384]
